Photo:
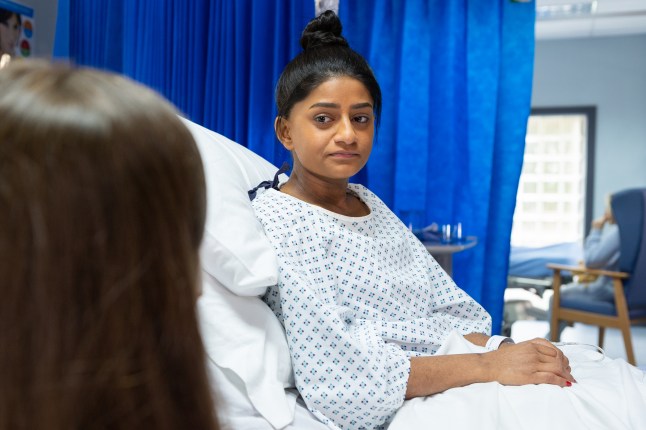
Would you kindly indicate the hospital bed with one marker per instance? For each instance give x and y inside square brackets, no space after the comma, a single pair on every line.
[248,357]
[528,266]
[528,278]
[532,262]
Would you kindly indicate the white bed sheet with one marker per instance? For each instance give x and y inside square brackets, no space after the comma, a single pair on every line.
[235,411]
[609,394]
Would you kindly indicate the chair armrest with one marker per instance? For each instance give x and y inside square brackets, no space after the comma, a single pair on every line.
[583,269]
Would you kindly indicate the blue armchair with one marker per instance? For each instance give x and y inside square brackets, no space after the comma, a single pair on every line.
[629,305]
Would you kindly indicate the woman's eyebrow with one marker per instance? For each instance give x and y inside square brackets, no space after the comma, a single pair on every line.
[361,105]
[336,106]
[325,105]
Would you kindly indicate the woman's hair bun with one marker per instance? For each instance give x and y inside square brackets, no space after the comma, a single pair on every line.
[324,30]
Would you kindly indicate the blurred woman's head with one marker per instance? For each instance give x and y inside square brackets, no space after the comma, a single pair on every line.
[102,207]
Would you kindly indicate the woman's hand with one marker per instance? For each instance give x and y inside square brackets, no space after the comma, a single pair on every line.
[532,362]
[535,361]
[598,223]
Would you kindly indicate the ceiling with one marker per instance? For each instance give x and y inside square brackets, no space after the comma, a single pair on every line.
[562,19]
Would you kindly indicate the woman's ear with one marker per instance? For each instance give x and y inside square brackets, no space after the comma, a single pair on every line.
[281,127]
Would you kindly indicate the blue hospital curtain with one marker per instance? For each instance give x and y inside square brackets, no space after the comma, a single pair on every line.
[456,77]
[217,61]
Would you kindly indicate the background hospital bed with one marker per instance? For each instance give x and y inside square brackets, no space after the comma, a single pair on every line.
[528,266]
[528,279]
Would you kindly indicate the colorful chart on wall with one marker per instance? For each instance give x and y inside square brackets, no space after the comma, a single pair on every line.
[16,29]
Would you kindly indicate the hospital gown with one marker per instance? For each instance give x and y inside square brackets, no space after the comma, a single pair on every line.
[358,296]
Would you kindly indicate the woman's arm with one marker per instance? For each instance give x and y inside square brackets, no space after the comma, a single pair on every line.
[601,248]
[479,339]
[531,362]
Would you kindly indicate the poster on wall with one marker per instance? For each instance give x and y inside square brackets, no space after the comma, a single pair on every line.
[16,30]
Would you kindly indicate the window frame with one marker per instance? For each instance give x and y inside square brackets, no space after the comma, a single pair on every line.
[590,112]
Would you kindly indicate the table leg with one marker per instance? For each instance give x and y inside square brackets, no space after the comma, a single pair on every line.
[446,261]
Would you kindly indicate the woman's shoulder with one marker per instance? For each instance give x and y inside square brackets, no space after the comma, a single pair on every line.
[361,191]
[275,206]
[276,197]
[367,196]
[271,201]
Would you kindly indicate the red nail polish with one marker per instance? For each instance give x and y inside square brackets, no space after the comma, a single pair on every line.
[568,384]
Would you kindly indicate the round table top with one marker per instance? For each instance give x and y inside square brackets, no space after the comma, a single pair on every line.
[438,247]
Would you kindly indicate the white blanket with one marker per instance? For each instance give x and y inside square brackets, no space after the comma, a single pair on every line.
[609,394]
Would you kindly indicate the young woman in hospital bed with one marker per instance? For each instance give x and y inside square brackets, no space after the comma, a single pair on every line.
[377,333]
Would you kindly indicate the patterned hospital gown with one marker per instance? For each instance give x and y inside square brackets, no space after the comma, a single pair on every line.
[358,296]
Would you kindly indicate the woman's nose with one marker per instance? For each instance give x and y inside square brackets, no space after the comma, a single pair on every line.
[345,132]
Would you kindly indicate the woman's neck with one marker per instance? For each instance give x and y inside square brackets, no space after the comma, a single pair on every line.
[331,195]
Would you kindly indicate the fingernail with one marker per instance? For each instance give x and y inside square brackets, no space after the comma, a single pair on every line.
[568,384]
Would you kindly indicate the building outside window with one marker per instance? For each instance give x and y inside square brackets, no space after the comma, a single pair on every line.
[553,203]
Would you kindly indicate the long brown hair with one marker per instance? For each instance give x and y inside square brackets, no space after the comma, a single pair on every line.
[102,207]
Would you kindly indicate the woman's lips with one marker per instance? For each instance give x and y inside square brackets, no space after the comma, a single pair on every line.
[344,154]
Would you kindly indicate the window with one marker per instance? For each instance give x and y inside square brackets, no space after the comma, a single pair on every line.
[554,203]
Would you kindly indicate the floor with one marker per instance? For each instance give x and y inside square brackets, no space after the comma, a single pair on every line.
[529,313]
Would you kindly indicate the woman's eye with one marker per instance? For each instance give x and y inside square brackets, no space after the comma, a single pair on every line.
[362,119]
[322,119]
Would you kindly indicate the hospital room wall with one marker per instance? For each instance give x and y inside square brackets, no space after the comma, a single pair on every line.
[609,73]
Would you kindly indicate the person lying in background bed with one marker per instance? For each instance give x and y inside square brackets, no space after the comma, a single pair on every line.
[102,208]
[365,307]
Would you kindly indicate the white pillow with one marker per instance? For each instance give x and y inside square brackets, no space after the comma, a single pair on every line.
[240,332]
[235,250]
[243,338]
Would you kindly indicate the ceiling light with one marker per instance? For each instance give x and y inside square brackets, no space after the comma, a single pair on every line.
[566,10]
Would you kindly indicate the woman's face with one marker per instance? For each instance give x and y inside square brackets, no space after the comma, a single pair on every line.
[330,132]
[9,35]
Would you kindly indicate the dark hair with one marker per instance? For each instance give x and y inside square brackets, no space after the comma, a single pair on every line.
[102,209]
[326,54]
[5,15]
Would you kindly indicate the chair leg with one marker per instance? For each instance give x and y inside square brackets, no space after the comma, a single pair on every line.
[602,332]
[556,305]
[623,319]
[625,330]
[554,329]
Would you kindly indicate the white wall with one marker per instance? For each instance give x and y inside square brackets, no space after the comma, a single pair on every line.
[45,13]
[609,73]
